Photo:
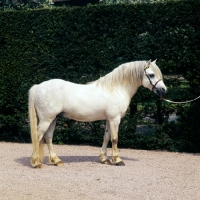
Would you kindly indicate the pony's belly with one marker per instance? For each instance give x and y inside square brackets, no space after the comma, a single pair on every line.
[84,117]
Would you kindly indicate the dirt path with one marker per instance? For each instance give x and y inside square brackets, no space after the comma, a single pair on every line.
[148,175]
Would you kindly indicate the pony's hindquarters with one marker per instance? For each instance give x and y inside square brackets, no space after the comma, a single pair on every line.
[35,161]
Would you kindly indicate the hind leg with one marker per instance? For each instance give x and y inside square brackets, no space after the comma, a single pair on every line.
[103,152]
[48,138]
[37,155]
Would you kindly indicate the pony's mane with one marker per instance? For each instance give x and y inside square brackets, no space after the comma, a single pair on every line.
[124,75]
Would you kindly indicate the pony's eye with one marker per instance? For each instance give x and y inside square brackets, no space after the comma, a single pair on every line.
[151,75]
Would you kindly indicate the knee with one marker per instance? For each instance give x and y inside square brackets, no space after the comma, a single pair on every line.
[114,140]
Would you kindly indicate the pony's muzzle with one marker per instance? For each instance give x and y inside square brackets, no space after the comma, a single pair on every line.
[160,91]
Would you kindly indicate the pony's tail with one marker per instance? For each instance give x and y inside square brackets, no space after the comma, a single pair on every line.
[37,149]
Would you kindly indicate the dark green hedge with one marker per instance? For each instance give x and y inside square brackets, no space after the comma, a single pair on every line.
[82,44]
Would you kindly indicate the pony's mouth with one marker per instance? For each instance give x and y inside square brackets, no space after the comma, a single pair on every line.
[160,92]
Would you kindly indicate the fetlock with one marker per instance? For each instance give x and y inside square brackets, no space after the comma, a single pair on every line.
[103,158]
[35,162]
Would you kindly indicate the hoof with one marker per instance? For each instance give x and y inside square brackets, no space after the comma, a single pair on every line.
[55,161]
[121,163]
[107,162]
[39,166]
[35,163]
[116,160]
[59,164]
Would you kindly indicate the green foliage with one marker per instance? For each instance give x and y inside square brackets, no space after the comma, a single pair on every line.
[133,1]
[82,44]
[182,135]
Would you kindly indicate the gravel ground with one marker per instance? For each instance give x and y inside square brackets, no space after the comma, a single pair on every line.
[147,175]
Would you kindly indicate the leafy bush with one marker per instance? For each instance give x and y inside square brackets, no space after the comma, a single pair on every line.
[82,44]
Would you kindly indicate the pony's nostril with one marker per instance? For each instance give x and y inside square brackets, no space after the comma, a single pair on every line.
[163,90]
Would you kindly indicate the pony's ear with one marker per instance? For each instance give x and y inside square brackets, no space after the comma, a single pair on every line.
[155,61]
[148,63]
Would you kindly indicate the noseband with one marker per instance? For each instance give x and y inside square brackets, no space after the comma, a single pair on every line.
[153,85]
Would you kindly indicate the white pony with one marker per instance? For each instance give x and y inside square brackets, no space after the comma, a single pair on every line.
[104,99]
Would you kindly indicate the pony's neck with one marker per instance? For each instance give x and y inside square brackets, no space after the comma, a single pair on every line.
[127,76]
[132,89]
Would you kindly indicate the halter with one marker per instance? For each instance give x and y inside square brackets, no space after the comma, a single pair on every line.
[153,85]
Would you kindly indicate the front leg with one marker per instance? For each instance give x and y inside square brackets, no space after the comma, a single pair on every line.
[103,152]
[114,126]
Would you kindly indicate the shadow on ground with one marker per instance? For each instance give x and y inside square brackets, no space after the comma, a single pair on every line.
[25,161]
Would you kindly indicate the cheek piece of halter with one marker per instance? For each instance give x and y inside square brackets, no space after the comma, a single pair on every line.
[153,85]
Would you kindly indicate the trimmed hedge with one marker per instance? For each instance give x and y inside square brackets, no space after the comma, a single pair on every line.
[82,44]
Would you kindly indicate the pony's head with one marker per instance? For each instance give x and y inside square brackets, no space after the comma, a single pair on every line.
[152,78]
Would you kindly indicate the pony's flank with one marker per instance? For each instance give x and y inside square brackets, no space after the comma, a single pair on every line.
[124,75]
